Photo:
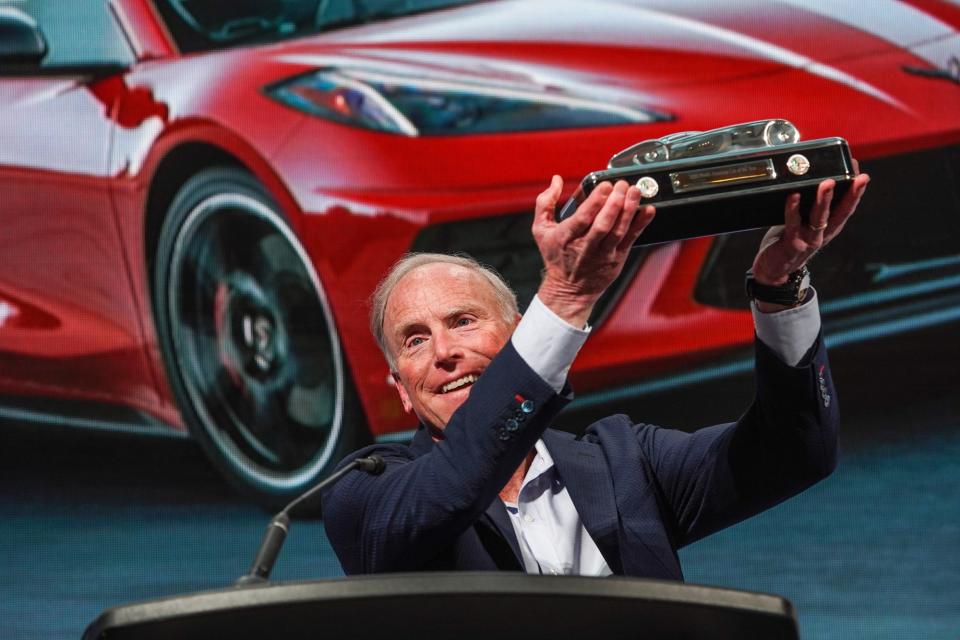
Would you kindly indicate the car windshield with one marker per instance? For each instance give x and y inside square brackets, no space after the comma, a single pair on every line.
[211,24]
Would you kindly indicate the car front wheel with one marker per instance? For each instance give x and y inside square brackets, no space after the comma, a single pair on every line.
[250,345]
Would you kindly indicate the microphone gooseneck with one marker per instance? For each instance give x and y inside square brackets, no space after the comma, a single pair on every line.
[279,526]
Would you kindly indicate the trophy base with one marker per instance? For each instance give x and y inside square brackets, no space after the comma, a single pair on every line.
[747,211]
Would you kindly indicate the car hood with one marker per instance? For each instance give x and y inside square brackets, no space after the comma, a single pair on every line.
[790,33]
[629,51]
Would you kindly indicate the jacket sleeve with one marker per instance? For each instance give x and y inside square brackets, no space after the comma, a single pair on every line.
[785,442]
[401,519]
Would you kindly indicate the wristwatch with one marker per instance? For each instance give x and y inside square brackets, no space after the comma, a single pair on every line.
[789,294]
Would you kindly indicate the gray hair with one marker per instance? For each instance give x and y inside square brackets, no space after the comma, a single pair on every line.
[506,298]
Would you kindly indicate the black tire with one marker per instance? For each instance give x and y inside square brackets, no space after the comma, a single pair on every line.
[249,343]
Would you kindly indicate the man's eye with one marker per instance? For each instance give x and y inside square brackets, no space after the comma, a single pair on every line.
[464,321]
[415,341]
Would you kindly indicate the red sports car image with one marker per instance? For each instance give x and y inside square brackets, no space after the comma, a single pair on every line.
[197,198]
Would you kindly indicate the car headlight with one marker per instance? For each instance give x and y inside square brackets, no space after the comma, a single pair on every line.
[417,106]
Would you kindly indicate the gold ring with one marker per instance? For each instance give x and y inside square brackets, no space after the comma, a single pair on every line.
[820,228]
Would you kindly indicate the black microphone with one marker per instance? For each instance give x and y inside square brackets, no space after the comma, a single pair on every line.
[374,464]
[278,528]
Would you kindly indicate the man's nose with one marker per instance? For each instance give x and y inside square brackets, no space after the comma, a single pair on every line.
[446,347]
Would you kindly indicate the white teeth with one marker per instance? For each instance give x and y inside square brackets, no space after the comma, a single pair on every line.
[456,384]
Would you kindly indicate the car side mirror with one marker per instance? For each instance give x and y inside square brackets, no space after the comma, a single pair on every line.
[21,40]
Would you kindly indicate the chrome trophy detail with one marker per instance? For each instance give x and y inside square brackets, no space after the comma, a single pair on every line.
[697,144]
[797,164]
[648,187]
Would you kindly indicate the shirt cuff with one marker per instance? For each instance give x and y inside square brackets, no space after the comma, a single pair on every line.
[789,333]
[548,343]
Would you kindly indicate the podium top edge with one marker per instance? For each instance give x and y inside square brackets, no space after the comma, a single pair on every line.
[444,584]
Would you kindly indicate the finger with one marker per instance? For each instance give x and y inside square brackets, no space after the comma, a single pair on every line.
[628,210]
[842,212]
[631,202]
[546,204]
[606,219]
[580,222]
[641,221]
[792,219]
[856,165]
[820,212]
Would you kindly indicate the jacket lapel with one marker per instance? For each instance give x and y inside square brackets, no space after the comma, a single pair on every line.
[583,468]
[496,520]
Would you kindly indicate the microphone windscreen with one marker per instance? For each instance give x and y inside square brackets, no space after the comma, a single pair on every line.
[372,464]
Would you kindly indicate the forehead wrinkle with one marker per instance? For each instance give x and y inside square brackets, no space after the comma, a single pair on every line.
[409,292]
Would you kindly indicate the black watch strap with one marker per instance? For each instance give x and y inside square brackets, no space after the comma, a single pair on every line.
[789,294]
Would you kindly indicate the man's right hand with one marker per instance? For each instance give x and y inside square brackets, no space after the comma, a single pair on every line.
[585,253]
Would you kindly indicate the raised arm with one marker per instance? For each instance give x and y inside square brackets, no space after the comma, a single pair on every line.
[786,440]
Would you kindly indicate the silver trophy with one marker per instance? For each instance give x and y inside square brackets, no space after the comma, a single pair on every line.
[724,180]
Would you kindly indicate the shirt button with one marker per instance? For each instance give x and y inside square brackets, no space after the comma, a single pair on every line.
[528,518]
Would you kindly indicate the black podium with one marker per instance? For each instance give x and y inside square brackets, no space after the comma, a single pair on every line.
[459,606]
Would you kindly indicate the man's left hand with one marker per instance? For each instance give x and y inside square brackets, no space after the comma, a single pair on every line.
[786,248]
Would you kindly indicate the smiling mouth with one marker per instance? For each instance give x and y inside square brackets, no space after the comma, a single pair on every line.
[459,383]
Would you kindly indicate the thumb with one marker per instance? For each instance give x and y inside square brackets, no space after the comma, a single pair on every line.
[772,236]
[547,202]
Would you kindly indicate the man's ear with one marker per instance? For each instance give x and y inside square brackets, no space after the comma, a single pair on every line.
[404,396]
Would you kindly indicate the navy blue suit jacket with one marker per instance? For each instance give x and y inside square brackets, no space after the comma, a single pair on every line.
[641,491]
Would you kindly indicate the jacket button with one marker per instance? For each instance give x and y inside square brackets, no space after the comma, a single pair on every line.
[526,406]
[512,424]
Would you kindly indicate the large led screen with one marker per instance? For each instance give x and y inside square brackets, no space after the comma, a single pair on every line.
[198,199]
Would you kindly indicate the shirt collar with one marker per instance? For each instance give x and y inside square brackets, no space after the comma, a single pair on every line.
[542,463]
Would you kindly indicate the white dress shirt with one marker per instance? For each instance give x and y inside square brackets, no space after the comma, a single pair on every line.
[551,535]
[552,538]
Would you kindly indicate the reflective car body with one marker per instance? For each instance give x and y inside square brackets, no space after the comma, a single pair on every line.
[92,155]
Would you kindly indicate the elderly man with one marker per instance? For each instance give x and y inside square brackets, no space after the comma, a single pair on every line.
[485,484]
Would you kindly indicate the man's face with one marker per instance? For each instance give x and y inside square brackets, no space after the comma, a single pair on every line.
[443,325]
